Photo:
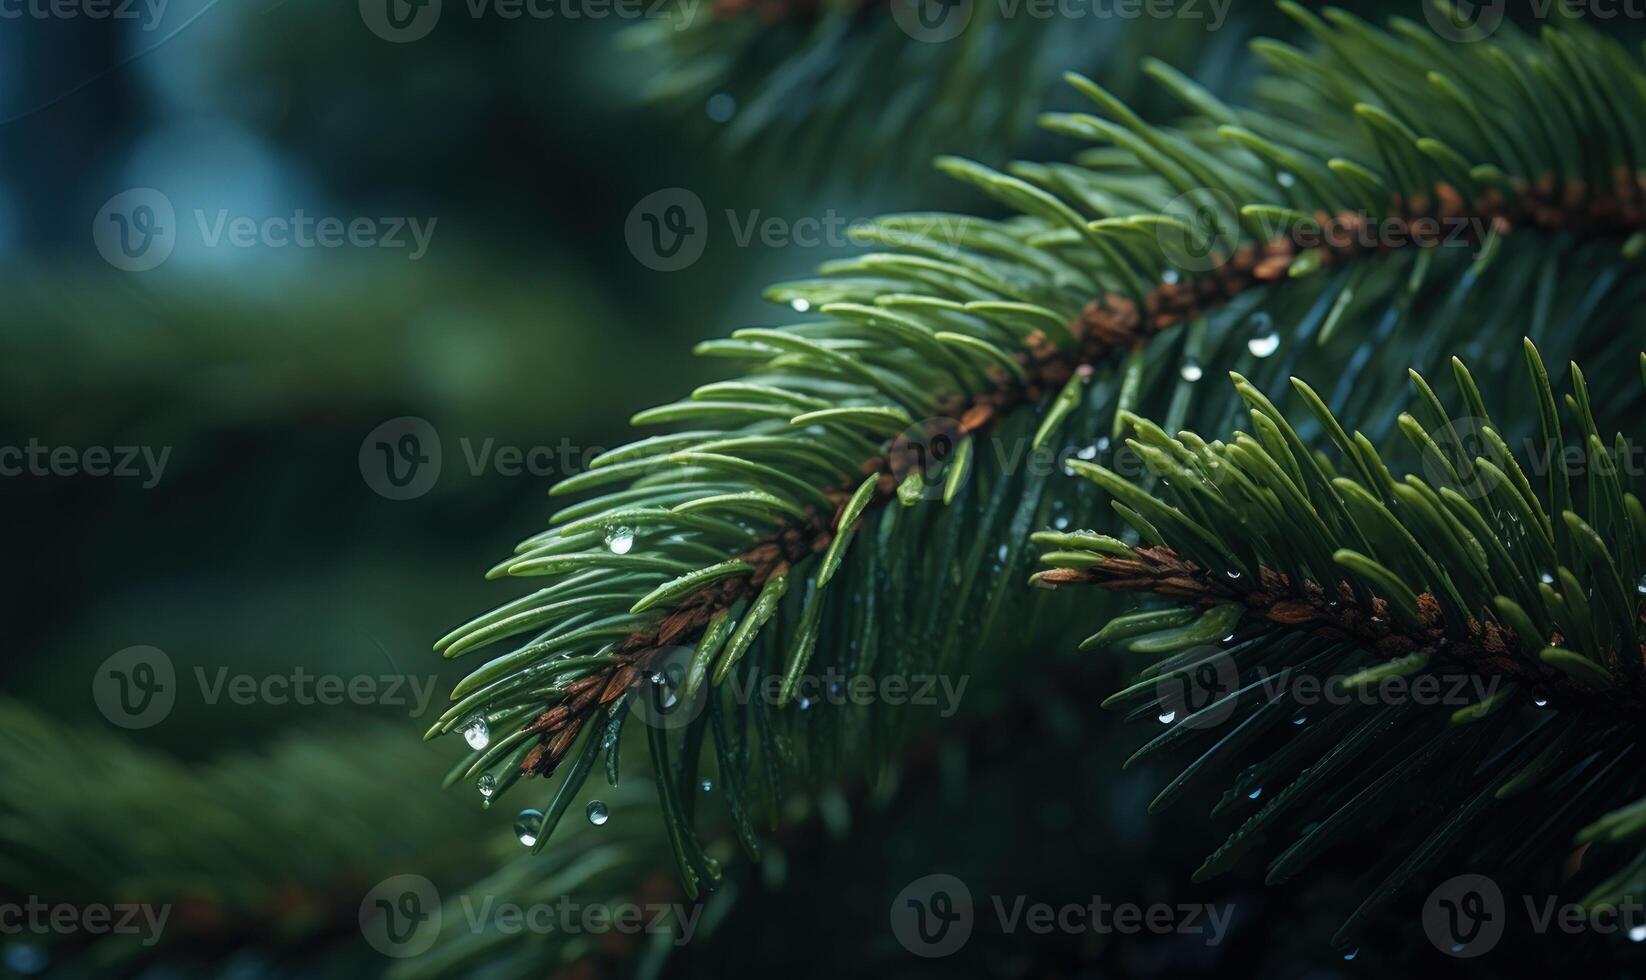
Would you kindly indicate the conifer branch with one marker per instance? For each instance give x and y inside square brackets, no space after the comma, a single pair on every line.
[1271,562]
[1055,315]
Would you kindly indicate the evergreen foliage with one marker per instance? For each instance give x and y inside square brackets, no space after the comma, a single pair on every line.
[859,499]
[1526,575]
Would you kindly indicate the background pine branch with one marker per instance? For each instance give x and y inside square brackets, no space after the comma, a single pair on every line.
[1361,580]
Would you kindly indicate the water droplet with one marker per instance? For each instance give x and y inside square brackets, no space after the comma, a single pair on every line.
[1285,179]
[1540,701]
[1169,277]
[666,696]
[1546,578]
[1001,554]
[1103,444]
[488,785]
[707,785]
[721,107]
[1167,717]
[1300,718]
[1637,934]
[1062,523]
[1254,794]
[803,702]
[527,824]
[1088,452]
[597,813]
[1351,954]
[1640,586]
[620,540]
[477,733]
[1264,339]
[800,305]
[1232,575]
[1191,371]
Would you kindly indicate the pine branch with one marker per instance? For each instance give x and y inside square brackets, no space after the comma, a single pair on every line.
[1044,329]
[1277,565]
[783,83]
[263,855]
